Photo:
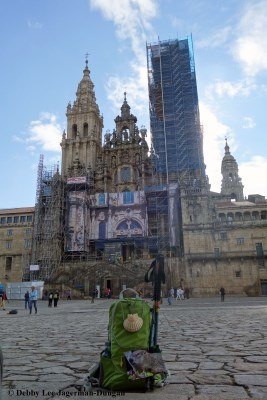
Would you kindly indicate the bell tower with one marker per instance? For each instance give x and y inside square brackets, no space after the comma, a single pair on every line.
[231,182]
[82,141]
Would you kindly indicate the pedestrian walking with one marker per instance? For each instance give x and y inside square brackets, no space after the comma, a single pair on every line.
[56,298]
[94,295]
[26,299]
[33,296]
[69,295]
[186,293]
[50,299]
[222,292]
[107,293]
[170,296]
[4,300]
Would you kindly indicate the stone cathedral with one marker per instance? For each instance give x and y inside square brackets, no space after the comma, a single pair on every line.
[104,217]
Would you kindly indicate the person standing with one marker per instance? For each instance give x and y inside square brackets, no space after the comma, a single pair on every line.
[33,296]
[170,296]
[222,292]
[26,298]
[94,295]
[4,300]
[186,293]
[56,298]
[50,299]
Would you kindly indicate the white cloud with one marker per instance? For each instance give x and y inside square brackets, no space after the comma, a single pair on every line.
[34,25]
[250,49]
[132,22]
[252,173]
[231,89]
[213,143]
[130,17]
[44,132]
[248,123]
[216,39]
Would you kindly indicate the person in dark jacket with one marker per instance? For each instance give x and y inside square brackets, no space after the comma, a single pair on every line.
[94,295]
[222,292]
[26,298]
[50,299]
[56,298]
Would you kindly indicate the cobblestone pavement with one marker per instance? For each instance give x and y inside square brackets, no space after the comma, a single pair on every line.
[213,350]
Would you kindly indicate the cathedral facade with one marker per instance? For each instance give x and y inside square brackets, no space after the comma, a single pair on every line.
[110,210]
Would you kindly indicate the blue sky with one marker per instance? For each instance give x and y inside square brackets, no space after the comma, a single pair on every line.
[42,51]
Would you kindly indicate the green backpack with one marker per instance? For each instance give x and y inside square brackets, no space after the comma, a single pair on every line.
[126,363]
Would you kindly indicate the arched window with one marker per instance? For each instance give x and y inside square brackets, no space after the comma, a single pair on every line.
[222,217]
[122,226]
[125,174]
[74,131]
[85,130]
[247,216]
[135,225]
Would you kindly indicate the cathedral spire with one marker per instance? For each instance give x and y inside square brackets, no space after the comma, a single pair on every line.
[226,148]
[231,182]
[84,127]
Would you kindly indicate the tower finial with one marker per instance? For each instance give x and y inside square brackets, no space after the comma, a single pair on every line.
[226,147]
[86,59]
[125,100]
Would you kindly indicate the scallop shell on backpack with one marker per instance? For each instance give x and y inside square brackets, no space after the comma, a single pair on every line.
[133,323]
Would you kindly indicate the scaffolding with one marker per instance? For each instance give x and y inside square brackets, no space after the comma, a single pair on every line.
[176,136]
[47,237]
[173,103]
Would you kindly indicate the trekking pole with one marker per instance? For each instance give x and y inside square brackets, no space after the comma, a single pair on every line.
[155,275]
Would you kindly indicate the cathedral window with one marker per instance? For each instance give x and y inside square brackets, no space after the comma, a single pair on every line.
[123,226]
[125,174]
[102,230]
[259,249]
[101,199]
[128,197]
[216,252]
[85,130]
[240,241]
[8,263]
[74,131]
[223,235]
[135,225]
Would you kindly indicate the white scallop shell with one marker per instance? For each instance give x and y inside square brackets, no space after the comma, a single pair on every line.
[133,323]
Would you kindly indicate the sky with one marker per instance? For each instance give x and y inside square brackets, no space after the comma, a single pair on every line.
[42,51]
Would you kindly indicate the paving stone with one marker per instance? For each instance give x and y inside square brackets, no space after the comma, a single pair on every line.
[57,369]
[199,338]
[210,379]
[180,366]
[210,365]
[242,366]
[178,378]
[228,392]
[56,377]
[258,392]
[79,365]
[250,380]
[257,359]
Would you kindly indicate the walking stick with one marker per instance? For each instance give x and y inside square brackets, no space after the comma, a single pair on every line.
[156,275]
